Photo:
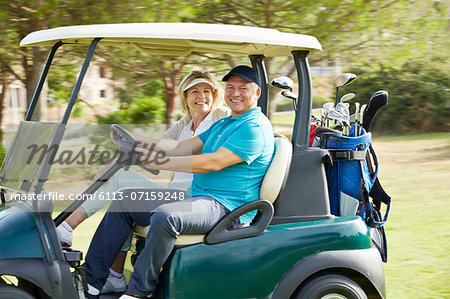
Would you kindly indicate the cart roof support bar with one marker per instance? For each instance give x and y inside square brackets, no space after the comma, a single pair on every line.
[300,135]
[37,91]
[258,65]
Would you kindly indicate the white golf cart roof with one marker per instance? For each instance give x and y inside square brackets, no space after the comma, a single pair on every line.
[180,38]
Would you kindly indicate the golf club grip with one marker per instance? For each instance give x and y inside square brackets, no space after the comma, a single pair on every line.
[376,101]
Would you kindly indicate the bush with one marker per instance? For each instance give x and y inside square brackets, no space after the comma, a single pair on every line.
[143,111]
[79,110]
[319,100]
[419,96]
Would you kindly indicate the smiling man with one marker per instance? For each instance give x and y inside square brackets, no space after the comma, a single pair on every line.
[229,161]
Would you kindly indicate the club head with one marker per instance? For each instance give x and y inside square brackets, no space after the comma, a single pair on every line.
[335,115]
[343,108]
[347,97]
[289,95]
[344,79]
[328,106]
[379,97]
[376,101]
[283,82]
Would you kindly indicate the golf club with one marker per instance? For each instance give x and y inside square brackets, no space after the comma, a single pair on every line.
[360,117]
[323,115]
[343,80]
[292,96]
[289,95]
[376,101]
[343,109]
[356,119]
[286,83]
[336,116]
[347,97]
[328,107]
[283,82]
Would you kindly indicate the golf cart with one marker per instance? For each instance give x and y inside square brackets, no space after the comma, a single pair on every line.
[295,248]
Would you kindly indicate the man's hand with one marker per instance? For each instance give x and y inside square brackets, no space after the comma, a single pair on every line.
[151,158]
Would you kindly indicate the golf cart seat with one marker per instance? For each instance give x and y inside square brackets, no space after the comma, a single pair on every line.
[271,187]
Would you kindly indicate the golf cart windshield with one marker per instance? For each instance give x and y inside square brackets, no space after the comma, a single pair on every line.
[25,167]
[61,160]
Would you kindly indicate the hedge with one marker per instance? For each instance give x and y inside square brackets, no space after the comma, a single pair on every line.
[419,96]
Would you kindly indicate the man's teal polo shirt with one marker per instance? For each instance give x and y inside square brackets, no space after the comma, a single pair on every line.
[250,136]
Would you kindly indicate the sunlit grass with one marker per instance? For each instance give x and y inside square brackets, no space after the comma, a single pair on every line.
[415,171]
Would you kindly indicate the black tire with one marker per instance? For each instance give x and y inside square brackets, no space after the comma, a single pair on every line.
[10,292]
[330,286]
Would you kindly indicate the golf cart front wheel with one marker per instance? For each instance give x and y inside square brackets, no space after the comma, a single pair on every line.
[10,292]
[330,286]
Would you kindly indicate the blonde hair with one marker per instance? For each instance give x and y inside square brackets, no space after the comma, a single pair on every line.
[218,93]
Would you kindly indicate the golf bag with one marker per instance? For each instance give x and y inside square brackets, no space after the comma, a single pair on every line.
[352,168]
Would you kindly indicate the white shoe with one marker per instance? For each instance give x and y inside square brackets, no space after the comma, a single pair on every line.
[65,234]
[130,295]
[114,285]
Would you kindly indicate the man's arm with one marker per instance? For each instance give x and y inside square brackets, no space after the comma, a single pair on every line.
[171,147]
[199,163]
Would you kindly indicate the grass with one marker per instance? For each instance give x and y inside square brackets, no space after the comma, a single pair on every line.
[283,119]
[415,171]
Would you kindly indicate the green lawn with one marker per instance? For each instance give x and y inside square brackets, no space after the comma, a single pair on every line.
[284,119]
[415,171]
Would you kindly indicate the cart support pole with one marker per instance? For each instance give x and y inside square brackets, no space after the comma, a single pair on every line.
[258,65]
[41,81]
[300,135]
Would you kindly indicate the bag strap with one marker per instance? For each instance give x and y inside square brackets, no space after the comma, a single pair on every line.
[378,195]
[345,154]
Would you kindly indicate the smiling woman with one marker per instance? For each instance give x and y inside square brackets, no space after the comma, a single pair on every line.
[195,81]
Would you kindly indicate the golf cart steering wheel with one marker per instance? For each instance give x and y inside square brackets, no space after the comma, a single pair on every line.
[127,144]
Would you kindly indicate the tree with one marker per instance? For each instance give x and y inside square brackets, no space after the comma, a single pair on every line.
[349,31]
[354,32]
[21,17]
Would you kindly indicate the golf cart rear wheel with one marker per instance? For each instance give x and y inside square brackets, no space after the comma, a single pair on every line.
[10,292]
[330,286]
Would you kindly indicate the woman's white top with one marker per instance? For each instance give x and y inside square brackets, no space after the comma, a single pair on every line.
[181,130]
[187,133]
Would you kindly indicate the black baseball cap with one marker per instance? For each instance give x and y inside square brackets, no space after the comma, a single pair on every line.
[247,73]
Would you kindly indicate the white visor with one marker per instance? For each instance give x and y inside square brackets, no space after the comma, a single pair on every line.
[197,81]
